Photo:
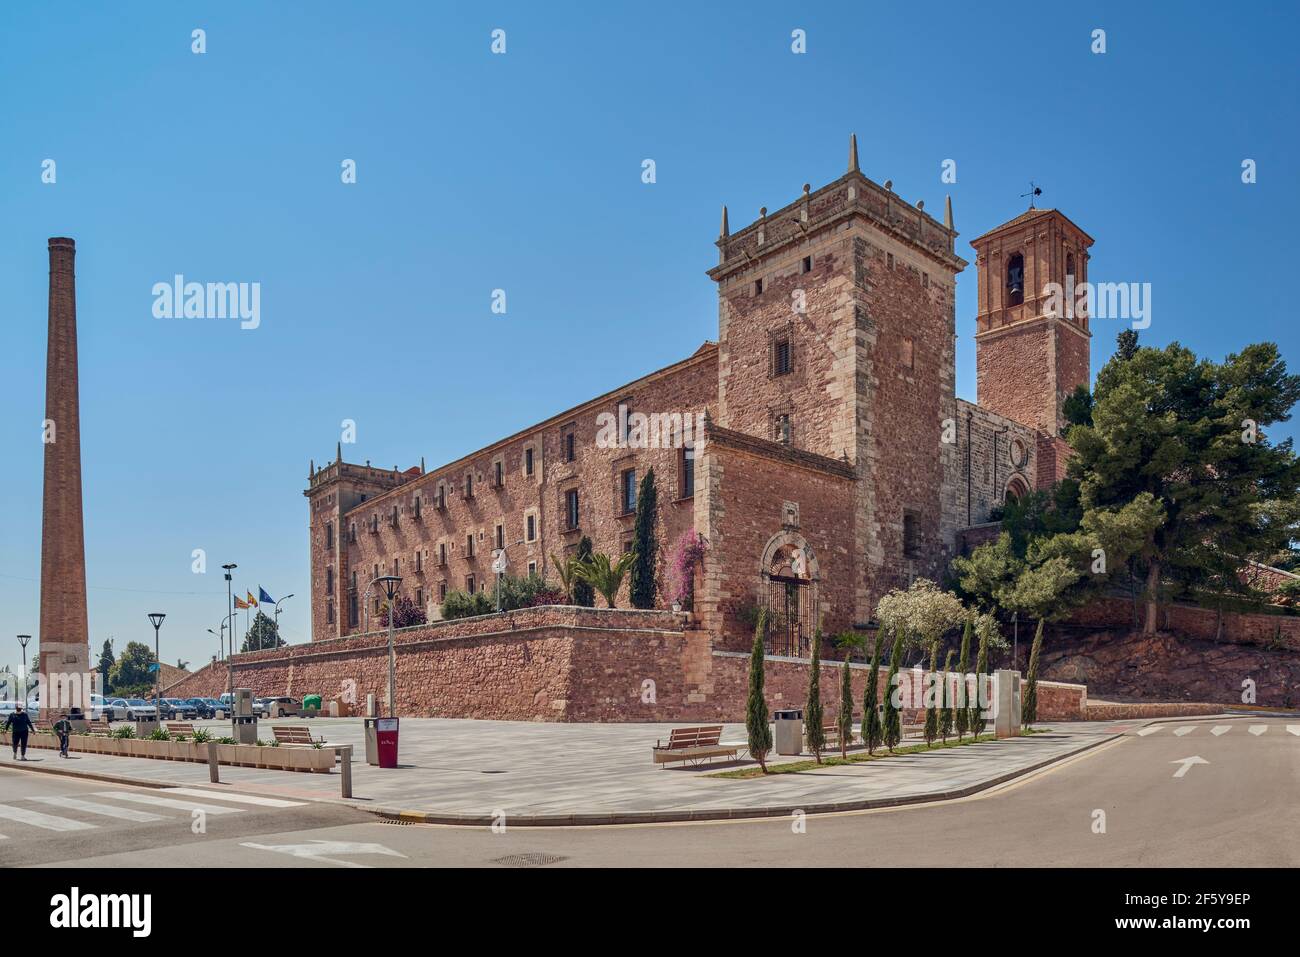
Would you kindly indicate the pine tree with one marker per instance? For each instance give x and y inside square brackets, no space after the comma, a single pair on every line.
[583,594]
[845,717]
[872,732]
[812,712]
[1029,713]
[963,668]
[931,707]
[981,666]
[641,584]
[893,719]
[946,716]
[756,726]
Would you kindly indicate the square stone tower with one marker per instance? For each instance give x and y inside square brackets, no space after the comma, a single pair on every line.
[1028,357]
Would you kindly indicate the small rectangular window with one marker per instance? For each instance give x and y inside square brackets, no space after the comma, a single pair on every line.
[417,506]
[352,533]
[758,287]
[571,507]
[528,461]
[501,536]
[329,581]
[532,569]
[498,469]
[329,612]
[469,545]
[469,485]
[329,534]
[531,525]
[352,611]
[911,535]
[419,598]
[418,566]
[807,264]
[442,591]
[688,471]
[891,260]
[442,553]
[783,429]
[629,491]
[570,447]
[469,584]
[781,357]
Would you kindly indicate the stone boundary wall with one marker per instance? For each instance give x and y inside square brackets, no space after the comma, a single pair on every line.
[1190,621]
[1142,711]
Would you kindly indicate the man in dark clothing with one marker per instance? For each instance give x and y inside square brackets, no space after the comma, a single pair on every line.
[63,728]
[18,724]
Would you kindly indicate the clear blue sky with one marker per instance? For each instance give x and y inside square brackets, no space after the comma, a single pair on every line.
[522,172]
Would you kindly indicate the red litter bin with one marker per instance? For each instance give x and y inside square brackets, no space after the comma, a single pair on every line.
[386,739]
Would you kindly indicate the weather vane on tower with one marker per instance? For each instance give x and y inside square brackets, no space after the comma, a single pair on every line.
[1034,190]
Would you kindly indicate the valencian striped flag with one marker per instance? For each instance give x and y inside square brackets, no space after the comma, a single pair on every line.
[252,602]
[240,603]
[263,597]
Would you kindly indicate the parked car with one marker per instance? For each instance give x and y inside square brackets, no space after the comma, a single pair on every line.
[138,709]
[182,709]
[261,708]
[289,707]
[103,709]
[215,705]
[203,708]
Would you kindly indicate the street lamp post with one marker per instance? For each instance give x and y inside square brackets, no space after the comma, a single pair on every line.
[230,613]
[277,614]
[391,583]
[221,639]
[22,640]
[157,618]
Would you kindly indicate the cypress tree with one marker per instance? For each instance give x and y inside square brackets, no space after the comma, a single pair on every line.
[812,712]
[583,593]
[893,719]
[641,584]
[963,667]
[845,717]
[946,716]
[931,707]
[1029,713]
[756,726]
[981,666]
[872,732]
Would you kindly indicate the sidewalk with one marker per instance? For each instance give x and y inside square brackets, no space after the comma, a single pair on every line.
[471,772]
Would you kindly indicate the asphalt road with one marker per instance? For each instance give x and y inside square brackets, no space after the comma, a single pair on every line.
[1131,802]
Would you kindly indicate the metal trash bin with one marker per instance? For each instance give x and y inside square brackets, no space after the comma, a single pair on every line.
[789,731]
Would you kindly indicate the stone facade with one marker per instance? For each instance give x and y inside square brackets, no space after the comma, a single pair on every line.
[836,462]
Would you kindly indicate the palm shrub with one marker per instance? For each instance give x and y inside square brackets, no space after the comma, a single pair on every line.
[872,732]
[125,731]
[1029,713]
[844,720]
[566,571]
[931,706]
[757,729]
[812,712]
[963,669]
[893,719]
[641,582]
[946,715]
[158,734]
[606,575]
[583,593]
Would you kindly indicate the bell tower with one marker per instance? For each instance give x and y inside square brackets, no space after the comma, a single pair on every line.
[1031,338]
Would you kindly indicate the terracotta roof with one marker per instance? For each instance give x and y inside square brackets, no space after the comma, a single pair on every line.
[1027,216]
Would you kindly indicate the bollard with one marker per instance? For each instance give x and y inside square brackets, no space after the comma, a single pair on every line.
[344,751]
[213,764]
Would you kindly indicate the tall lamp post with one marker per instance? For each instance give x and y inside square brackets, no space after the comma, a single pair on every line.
[390,584]
[22,640]
[221,639]
[157,618]
[230,613]
[277,614]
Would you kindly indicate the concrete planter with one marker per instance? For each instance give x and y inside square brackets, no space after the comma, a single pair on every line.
[239,755]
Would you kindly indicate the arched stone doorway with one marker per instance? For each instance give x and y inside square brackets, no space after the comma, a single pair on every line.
[1016,489]
[790,577]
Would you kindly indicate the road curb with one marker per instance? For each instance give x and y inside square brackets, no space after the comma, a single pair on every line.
[678,816]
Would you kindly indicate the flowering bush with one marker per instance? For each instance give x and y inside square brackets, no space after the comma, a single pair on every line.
[687,555]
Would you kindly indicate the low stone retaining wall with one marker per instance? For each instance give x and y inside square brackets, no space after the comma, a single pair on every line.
[1275,632]
[1147,710]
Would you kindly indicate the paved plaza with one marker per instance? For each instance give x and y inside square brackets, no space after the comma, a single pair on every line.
[472,771]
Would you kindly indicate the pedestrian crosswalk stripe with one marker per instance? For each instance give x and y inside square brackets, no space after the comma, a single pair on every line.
[168,802]
[1294,728]
[1258,728]
[237,798]
[1150,729]
[1186,729]
[1219,729]
[46,821]
[93,807]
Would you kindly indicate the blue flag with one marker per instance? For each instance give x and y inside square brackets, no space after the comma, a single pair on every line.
[263,597]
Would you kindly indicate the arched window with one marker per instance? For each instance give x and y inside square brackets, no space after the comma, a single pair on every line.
[1016,490]
[1015,280]
[1069,264]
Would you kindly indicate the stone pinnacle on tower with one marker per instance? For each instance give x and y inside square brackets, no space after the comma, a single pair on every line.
[65,637]
[726,230]
[853,153]
[947,212]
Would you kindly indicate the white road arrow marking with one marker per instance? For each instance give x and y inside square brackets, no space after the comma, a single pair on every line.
[1187,764]
[1219,729]
[316,850]
[1150,729]
[1188,729]
[1294,729]
[1258,729]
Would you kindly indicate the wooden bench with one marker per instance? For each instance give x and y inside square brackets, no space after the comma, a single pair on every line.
[692,745]
[296,735]
[180,727]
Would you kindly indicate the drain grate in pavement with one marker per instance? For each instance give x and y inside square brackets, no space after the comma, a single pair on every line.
[528,860]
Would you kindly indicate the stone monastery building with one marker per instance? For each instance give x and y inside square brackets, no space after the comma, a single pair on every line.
[831,460]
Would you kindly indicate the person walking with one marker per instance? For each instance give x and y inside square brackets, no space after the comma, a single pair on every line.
[63,728]
[18,725]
